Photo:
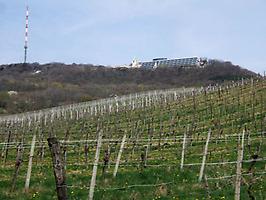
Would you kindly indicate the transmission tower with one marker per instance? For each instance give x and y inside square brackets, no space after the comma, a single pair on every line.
[26,35]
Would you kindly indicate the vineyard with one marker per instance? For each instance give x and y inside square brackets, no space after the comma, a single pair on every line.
[188,143]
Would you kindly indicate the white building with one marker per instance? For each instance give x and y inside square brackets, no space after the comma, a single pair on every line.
[164,62]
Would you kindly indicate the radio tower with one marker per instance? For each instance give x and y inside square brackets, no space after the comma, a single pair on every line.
[26,35]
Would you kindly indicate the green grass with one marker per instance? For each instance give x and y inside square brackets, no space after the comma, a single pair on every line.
[227,114]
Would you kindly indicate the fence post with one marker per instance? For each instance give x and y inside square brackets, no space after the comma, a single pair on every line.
[42,145]
[239,167]
[146,155]
[86,150]
[27,183]
[95,165]
[204,156]
[58,166]
[208,196]
[18,163]
[7,146]
[183,149]
[119,155]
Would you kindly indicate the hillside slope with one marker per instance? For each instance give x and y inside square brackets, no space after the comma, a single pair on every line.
[166,135]
[43,86]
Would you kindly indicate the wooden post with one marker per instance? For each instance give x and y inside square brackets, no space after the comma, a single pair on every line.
[7,146]
[65,147]
[135,142]
[204,156]
[106,159]
[119,155]
[208,196]
[146,155]
[27,183]
[239,167]
[17,165]
[183,150]
[160,132]
[86,149]
[42,145]
[95,166]
[109,155]
[58,166]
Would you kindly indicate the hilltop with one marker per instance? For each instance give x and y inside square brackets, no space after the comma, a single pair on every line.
[36,86]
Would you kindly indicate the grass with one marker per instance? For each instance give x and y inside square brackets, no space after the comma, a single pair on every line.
[227,113]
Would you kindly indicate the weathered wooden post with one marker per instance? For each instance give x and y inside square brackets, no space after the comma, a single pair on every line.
[42,144]
[204,156]
[65,147]
[239,167]
[146,155]
[7,146]
[119,155]
[135,142]
[106,160]
[58,166]
[95,165]
[27,183]
[208,196]
[86,150]
[17,165]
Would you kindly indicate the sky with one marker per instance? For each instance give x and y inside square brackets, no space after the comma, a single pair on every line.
[114,32]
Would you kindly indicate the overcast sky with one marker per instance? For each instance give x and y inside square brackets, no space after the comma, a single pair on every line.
[113,32]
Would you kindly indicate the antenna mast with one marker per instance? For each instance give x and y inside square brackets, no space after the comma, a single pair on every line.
[26,35]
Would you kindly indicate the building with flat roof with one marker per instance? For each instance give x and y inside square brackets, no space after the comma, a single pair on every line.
[164,62]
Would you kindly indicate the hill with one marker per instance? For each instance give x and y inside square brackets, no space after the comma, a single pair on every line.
[172,139]
[43,86]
